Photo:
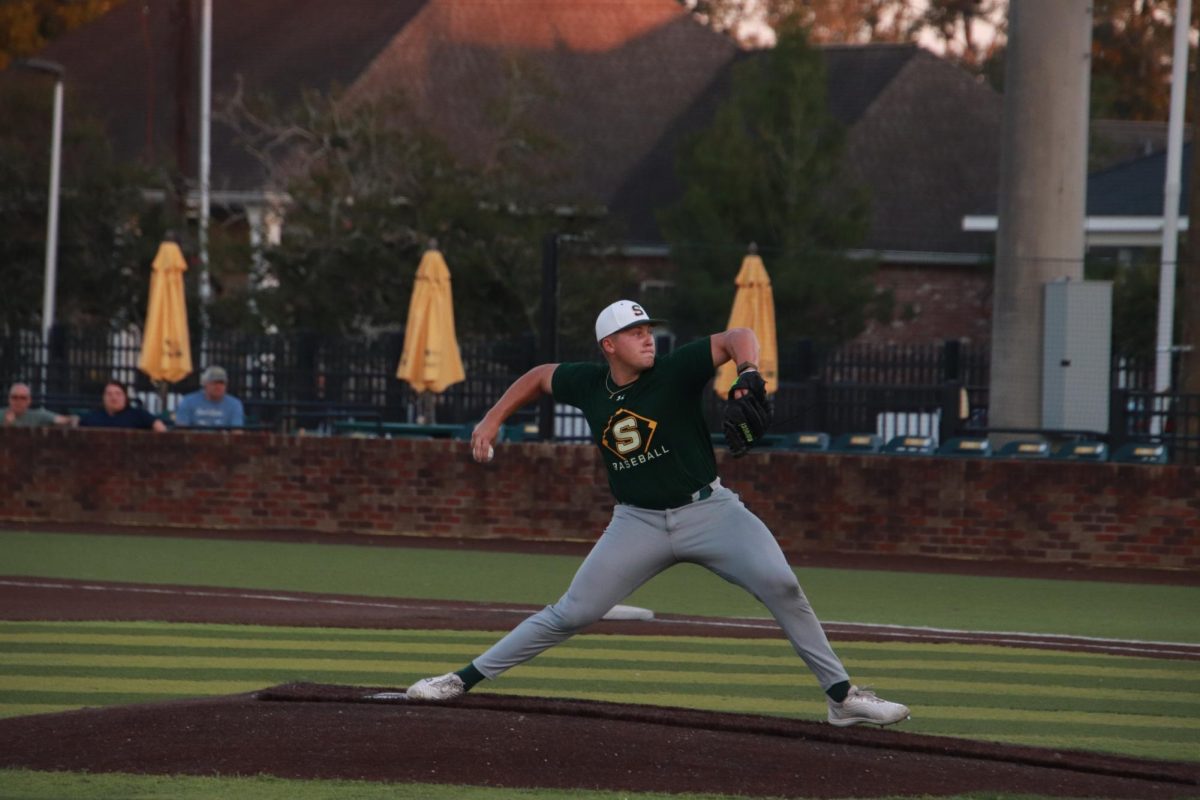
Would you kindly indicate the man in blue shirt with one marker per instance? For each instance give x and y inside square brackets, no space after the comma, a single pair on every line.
[210,407]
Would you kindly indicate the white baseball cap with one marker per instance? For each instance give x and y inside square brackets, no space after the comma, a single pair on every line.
[621,315]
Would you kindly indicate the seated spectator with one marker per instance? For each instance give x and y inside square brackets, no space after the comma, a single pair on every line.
[19,414]
[210,407]
[117,413]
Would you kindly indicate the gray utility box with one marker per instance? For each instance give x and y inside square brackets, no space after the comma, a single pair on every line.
[1076,355]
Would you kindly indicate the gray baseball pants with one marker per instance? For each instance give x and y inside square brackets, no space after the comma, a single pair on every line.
[718,533]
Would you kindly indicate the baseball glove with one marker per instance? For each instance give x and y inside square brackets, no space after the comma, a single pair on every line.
[747,417]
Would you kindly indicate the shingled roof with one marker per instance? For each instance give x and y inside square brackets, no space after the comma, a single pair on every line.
[135,67]
[626,79]
[1124,203]
[926,146]
[923,137]
[617,74]
[1135,188]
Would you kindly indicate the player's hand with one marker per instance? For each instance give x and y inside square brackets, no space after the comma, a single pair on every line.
[483,437]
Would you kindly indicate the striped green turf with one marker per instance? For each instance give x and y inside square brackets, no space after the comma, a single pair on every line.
[1117,704]
[965,602]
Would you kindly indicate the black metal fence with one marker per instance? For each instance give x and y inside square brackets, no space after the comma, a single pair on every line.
[286,382]
[299,381]
[1141,416]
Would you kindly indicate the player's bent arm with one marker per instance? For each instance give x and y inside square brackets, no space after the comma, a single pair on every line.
[525,389]
[738,345]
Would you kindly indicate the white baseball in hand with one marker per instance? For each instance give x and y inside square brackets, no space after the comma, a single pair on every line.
[491,453]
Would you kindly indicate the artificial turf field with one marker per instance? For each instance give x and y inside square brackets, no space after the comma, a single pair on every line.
[1119,704]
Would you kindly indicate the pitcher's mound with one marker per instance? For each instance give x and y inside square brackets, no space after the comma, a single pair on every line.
[324,731]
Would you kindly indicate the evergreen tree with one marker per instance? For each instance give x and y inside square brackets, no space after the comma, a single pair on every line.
[768,171]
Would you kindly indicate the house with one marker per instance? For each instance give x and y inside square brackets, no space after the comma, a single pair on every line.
[1124,205]
[625,80]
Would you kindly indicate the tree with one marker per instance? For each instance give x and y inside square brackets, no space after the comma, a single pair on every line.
[961,24]
[370,187]
[108,232]
[969,31]
[26,26]
[827,21]
[1135,300]
[768,171]
[1131,57]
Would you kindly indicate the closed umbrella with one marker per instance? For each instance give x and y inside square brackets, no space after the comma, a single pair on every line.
[431,361]
[754,308]
[166,349]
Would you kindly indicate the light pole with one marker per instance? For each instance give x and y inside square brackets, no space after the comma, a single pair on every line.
[1170,237]
[51,272]
[205,165]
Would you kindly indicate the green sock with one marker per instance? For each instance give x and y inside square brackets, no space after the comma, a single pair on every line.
[837,693]
[471,676]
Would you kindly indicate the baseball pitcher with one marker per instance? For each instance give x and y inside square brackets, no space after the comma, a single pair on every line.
[647,418]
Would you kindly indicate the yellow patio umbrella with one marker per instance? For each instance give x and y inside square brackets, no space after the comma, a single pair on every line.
[431,361]
[166,349]
[754,308]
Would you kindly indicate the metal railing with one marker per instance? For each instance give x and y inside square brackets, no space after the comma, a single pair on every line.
[285,381]
[1173,419]
[290,382]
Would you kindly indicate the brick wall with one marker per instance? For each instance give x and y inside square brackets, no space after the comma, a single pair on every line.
[933,304]
[1089,514]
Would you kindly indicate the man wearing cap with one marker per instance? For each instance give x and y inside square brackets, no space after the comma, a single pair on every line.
[647,418]
[210,407]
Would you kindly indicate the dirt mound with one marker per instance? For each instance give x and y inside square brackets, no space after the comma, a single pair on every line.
[320,731]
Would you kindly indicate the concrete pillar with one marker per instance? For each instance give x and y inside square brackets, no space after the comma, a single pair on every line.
[1043,180]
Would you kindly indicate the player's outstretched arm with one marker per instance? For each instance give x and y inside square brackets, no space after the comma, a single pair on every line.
[525,389]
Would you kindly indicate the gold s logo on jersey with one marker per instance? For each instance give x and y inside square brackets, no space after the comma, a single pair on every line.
[628,434]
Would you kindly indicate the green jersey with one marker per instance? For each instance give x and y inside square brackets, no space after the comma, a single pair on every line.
[652,433]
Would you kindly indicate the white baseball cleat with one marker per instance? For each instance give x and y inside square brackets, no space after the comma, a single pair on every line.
[442,688]
[861,705]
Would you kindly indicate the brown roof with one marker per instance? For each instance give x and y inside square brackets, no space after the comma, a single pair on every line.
[927,147]
[135,67]
[606,77]
[923,137]
[616,82]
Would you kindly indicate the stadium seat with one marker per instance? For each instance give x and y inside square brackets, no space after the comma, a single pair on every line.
[1087,450]
[911,445]
[810,442]
[1134,453]
[857,443]
[517,432]
[1025,448]
[966,446]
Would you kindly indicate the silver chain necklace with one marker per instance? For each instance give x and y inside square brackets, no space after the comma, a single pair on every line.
[611,391]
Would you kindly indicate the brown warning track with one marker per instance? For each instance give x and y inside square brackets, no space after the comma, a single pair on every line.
[29,598]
